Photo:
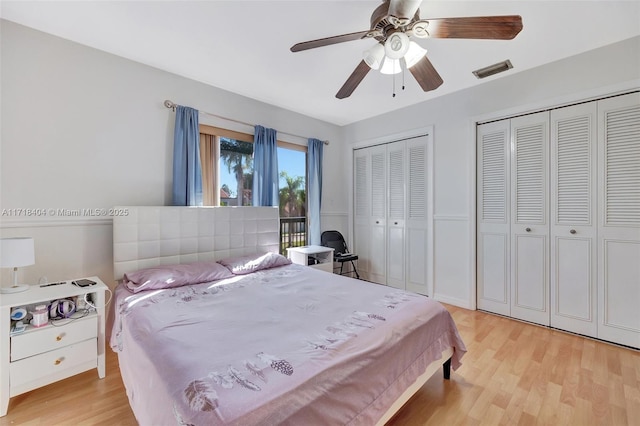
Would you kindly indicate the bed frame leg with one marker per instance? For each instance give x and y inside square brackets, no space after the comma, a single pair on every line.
[446,369]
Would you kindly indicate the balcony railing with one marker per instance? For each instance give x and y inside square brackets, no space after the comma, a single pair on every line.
[293,233]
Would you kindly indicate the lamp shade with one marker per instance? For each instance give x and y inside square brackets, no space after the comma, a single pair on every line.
[396,45]
[374,56]
[16,252]
[390,66]
[414,54]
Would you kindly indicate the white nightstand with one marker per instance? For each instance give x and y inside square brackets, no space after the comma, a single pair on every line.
[42,355]
[318,257]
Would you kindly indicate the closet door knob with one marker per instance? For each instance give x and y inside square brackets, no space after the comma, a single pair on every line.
[573,231]
[377,221]
[528,229]
[395,223]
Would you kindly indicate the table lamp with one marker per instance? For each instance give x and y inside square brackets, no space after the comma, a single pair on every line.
[14,253]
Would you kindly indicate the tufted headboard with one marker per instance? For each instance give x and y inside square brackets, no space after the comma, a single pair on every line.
[150,236]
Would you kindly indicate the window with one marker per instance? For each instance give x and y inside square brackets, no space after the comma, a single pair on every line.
[227,178]
[236,172]
[227,171]
[293,182]
[293,198]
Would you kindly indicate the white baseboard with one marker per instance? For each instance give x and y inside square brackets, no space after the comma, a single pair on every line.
[462,303]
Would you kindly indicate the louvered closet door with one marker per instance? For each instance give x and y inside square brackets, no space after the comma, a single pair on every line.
[619,217]
[529,218]
[378,222]
[417,220]
[573,219]
[493,274]
[361,210]
[396,214]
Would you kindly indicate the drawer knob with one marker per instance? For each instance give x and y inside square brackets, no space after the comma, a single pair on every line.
[528,229]
[58,361]
[573,231]
[58,338]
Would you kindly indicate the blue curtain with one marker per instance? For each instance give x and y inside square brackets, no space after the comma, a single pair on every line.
[314,197]
[187,173]
[265,167]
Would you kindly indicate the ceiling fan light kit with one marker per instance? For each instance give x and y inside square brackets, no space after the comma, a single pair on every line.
[390,66]
[377,59]
[414,54]
[394,22]
[396,45]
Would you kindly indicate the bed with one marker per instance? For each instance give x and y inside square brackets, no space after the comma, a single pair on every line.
[260,340]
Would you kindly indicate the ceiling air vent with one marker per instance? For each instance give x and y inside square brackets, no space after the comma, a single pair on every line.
[493,69]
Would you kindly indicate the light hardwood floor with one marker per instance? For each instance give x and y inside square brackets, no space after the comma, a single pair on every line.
[514,373]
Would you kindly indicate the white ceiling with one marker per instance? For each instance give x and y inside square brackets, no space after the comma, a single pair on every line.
[243,46]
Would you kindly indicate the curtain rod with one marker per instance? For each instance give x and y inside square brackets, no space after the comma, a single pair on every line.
[172,105]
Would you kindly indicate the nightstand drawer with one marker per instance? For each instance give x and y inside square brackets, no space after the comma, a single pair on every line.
[49,338]
[55,364]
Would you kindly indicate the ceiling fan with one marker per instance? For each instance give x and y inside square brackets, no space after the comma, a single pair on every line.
[394,22]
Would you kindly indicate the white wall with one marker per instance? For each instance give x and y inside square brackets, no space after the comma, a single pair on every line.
[594,73]
[85,129]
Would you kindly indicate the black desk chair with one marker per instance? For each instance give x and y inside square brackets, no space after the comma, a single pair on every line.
[335,240]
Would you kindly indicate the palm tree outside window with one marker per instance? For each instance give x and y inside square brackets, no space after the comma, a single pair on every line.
[236,159]
[292,195]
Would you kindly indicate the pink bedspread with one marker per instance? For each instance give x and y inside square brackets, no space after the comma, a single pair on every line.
[288,345]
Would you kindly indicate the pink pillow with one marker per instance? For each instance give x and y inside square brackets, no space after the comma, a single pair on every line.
[254,262]
[170,276]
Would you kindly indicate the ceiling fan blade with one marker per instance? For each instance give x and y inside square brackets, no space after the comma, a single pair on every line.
[426,75]
[481,27]
[312,44]
[353,81]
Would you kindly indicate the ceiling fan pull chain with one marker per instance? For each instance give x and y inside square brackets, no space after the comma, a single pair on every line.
[393,76]
[403,70]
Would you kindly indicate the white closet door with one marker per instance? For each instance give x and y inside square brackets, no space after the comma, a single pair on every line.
[396,174]
[378,209]
[361,210]
[493,274]
[619,217]
[529,218]
[417,225]
[573,219]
